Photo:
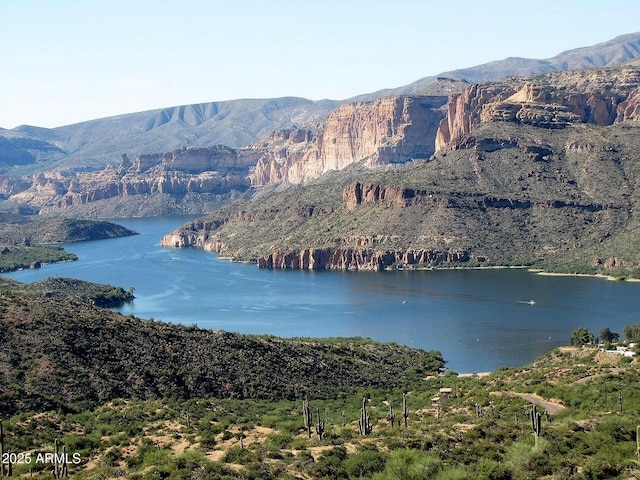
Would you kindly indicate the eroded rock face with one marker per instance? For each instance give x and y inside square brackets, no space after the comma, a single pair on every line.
[595,96]
[359,193]
[389,130]
[356,259]
[187,170]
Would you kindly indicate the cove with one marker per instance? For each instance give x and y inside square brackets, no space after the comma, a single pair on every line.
[478,319]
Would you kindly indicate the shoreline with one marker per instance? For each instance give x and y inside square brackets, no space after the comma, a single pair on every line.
[475,374]
[586,275]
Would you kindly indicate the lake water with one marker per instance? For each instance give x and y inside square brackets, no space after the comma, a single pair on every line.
[478,319]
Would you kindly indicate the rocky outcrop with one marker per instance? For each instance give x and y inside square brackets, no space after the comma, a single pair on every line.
[629,109]
[184,171]
[355,259]
[389,130]
[596,96]
[359,193]
[193,234]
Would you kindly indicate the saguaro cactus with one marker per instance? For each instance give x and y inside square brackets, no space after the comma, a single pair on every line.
[319,425]
[391,416]
[536,421]
[364,423]
[60,467]
[307,416]
[1,450]
[405,412]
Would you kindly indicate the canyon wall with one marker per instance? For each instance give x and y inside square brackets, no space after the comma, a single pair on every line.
[186,170]
[594,96]
[389,130]
[356,259]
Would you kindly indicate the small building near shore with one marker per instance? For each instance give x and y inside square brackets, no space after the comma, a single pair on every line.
[443,394]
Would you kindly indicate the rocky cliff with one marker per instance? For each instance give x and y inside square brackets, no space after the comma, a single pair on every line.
[181,172]
[556,100]
[388,130]
[392,130]
[507,193]
[355,259]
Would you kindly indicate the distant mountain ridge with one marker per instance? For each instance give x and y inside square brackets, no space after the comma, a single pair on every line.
[236,123]
[526,171]
[613,52]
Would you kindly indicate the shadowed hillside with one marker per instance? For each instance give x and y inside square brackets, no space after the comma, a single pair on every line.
[59,350]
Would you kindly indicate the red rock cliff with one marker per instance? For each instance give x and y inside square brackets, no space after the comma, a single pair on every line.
[596,96]
[388,130]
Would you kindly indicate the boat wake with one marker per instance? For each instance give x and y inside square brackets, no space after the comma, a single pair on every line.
[527,302]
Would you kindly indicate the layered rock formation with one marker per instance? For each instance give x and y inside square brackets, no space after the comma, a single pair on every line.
[595,96]
[187,170]
[355,259]
[389,130]
[359,193]
[386,131]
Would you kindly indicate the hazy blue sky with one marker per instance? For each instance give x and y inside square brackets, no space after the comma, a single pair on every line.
[66,61]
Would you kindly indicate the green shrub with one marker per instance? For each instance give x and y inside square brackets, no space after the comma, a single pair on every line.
[409,464]
[364,463]
[242,456]
[278,440]
[487,469]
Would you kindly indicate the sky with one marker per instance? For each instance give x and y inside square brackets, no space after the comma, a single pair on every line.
[68,61]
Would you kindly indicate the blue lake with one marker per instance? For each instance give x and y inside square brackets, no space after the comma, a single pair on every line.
[478,319]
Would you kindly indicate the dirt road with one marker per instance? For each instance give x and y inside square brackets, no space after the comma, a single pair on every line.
[551,407]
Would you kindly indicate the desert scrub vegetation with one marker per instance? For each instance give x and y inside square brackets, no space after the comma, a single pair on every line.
[131,398]
[60,350]
[480,428]
[15,257]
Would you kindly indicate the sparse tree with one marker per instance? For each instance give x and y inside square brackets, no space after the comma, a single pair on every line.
[632,332]
[581,336]
[607,336]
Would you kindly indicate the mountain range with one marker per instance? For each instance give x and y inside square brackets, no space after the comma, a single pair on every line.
[97,143]
[537,170]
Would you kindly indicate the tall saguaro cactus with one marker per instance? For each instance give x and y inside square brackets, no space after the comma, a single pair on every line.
[1,450]
[405,412]
[60,468]
[364,423]
[307,416]
[320,427]
[4,472]
[536,421]
[391,416]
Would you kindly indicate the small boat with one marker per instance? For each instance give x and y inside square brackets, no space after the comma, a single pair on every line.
[528,302]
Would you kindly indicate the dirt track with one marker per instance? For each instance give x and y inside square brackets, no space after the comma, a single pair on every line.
[551,407]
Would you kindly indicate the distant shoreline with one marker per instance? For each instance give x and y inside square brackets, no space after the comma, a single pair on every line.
[476,374]
[595,275]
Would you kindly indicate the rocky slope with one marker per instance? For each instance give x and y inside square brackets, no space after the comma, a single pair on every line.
[238,123]
[595,96]
[389,130]
[210,173]
[544,168]
[58,350]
